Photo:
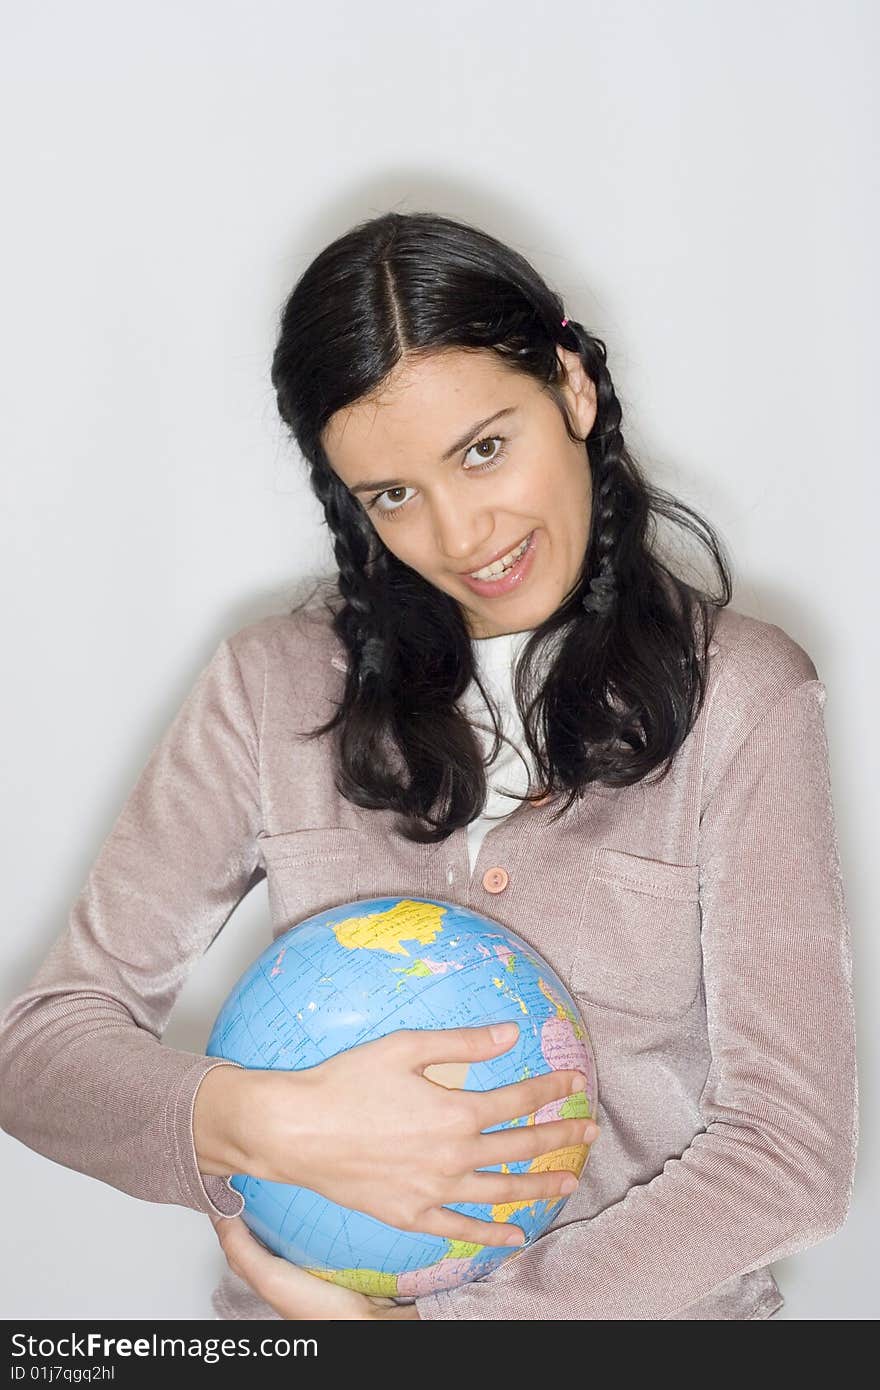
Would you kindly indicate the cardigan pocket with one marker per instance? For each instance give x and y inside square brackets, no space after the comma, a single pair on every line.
[639,948]
[309,871]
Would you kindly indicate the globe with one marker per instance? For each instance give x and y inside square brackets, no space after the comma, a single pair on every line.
[354,973]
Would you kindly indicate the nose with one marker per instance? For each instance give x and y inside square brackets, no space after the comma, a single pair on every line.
[462,533]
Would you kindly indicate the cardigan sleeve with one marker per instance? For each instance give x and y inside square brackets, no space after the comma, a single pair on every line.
[84,1077]
[772,1171]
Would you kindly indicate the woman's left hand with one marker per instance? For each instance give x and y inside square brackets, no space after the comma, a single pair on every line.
[291,1291]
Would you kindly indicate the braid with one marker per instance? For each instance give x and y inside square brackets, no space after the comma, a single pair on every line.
[603,589]
[351,547]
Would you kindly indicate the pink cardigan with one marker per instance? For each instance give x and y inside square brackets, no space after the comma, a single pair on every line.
[700,923]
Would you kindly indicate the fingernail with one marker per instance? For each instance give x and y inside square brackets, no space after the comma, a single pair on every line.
[504,1032]
[578,1084]
[568,1184]
[590,1131]
[516,1239]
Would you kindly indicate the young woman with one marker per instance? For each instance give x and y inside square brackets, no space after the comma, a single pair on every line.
[512,701]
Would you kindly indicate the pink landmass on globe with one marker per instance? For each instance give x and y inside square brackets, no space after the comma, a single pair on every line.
[439,967]
[445,1274]
[564,1050]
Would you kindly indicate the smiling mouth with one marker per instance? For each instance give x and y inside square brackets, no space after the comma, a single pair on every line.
[499,567]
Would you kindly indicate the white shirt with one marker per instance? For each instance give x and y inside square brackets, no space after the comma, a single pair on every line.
[512,770]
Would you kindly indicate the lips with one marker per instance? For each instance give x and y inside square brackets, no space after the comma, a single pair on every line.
[499,554]
[510,580]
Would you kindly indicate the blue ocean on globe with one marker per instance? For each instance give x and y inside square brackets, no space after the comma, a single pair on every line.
[355,973]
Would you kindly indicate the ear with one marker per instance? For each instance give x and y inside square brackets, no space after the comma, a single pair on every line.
[579,390]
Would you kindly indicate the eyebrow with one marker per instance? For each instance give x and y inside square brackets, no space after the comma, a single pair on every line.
[453,449]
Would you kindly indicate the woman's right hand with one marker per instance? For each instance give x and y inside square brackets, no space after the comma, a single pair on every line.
[368,1130]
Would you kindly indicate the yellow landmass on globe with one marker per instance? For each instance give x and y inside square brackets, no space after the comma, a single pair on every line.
[384,931]
[369,1281]
[562,1009]
[374,1282]
[510,994]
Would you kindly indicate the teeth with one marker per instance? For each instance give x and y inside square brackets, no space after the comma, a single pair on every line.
[499,566]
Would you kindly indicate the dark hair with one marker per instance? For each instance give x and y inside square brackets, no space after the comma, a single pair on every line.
[627,648]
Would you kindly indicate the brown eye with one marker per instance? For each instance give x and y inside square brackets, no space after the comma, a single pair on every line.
[497,442]
[377,503]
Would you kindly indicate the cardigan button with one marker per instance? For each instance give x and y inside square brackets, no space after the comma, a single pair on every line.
[496,880]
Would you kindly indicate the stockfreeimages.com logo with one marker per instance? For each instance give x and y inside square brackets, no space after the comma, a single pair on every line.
[94,1346]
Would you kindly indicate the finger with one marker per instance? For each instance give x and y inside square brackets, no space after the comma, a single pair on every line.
[502,1190]
[452,1225]
[522,1098]
[293,1292]
[522,1143]
[423,1046]
[247,1257]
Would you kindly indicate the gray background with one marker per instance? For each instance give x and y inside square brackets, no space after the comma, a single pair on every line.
[697,179]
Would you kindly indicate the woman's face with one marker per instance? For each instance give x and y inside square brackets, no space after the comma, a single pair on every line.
[459,460]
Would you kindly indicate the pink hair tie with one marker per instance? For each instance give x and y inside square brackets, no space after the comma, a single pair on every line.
[564,322]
